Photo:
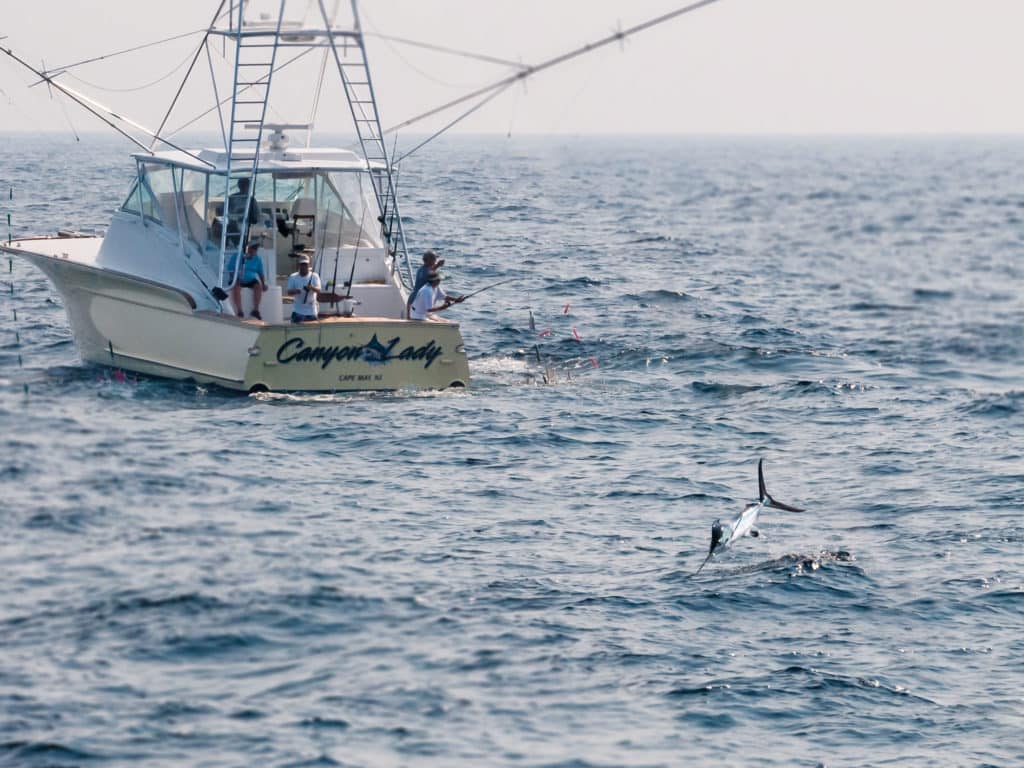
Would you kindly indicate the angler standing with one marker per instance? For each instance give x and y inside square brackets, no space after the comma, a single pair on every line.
[305,286]
[431,298]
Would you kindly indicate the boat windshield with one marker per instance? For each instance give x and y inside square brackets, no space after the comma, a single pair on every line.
[152,193]
[291,210]
[361,212]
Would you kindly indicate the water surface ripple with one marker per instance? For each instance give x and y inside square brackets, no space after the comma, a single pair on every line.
[502,576]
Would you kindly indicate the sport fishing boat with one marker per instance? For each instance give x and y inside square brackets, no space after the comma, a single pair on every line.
[154,295]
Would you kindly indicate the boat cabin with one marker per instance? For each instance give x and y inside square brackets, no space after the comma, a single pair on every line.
[318,203]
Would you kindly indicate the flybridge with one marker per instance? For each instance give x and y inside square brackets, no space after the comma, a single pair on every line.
[292,35]
[214,159]
[257,64]
[274,22]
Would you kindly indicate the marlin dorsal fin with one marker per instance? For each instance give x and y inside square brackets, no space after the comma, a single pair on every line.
[762,492]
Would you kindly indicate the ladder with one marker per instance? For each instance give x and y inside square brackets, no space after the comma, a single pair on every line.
[355,76]
[256,47]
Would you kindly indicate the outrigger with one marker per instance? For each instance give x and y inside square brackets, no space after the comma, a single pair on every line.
[153,294]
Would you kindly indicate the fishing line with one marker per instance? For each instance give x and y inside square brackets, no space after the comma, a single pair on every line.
[583,346]
[600,64]
[512,113]
[443,49]
[127,50]
[203,44]
[458,119]
[487,288]
[355,253]
[135,88]
[63,111]
[67,117]
[216,98]
[323,72]
[92,106]
[40,131]
[316,98]
[226,99]
[388,39]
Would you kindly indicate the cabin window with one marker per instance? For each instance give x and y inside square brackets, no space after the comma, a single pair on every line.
[131,203]
[191,217]
[157,194]
[359,223]
[289,187]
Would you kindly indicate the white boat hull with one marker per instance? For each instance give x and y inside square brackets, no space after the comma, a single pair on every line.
[142,326]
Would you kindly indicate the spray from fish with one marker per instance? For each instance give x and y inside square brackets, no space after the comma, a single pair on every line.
[725,534]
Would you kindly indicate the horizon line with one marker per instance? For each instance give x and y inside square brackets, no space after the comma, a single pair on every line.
[92,132]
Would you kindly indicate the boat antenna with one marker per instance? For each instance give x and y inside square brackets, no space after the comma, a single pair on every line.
[616,36]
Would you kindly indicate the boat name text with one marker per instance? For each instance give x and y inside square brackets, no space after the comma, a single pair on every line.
[373,352]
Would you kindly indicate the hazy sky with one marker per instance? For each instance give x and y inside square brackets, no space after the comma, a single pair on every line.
[738,66]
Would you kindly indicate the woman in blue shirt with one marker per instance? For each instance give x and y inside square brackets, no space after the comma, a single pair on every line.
[251,276]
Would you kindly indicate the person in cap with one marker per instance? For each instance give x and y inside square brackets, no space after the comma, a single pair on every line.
[431,298]
[430,264]
[304,286]
[249,276]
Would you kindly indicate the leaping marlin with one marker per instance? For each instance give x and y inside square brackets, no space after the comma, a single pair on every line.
[724,535]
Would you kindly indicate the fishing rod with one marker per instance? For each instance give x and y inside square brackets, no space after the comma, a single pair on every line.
[321,252]
[485,288]
[352,272]
[355,253]
[349,308]
[337,255]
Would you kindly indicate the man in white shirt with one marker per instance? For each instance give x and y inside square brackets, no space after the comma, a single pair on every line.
[304,286]
[431,298]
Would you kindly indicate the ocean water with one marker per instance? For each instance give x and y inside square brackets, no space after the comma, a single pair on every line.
[502,576]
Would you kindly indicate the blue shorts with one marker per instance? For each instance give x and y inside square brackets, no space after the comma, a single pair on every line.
[297,318]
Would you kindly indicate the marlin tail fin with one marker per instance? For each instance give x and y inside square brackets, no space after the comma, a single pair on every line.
[765,496]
